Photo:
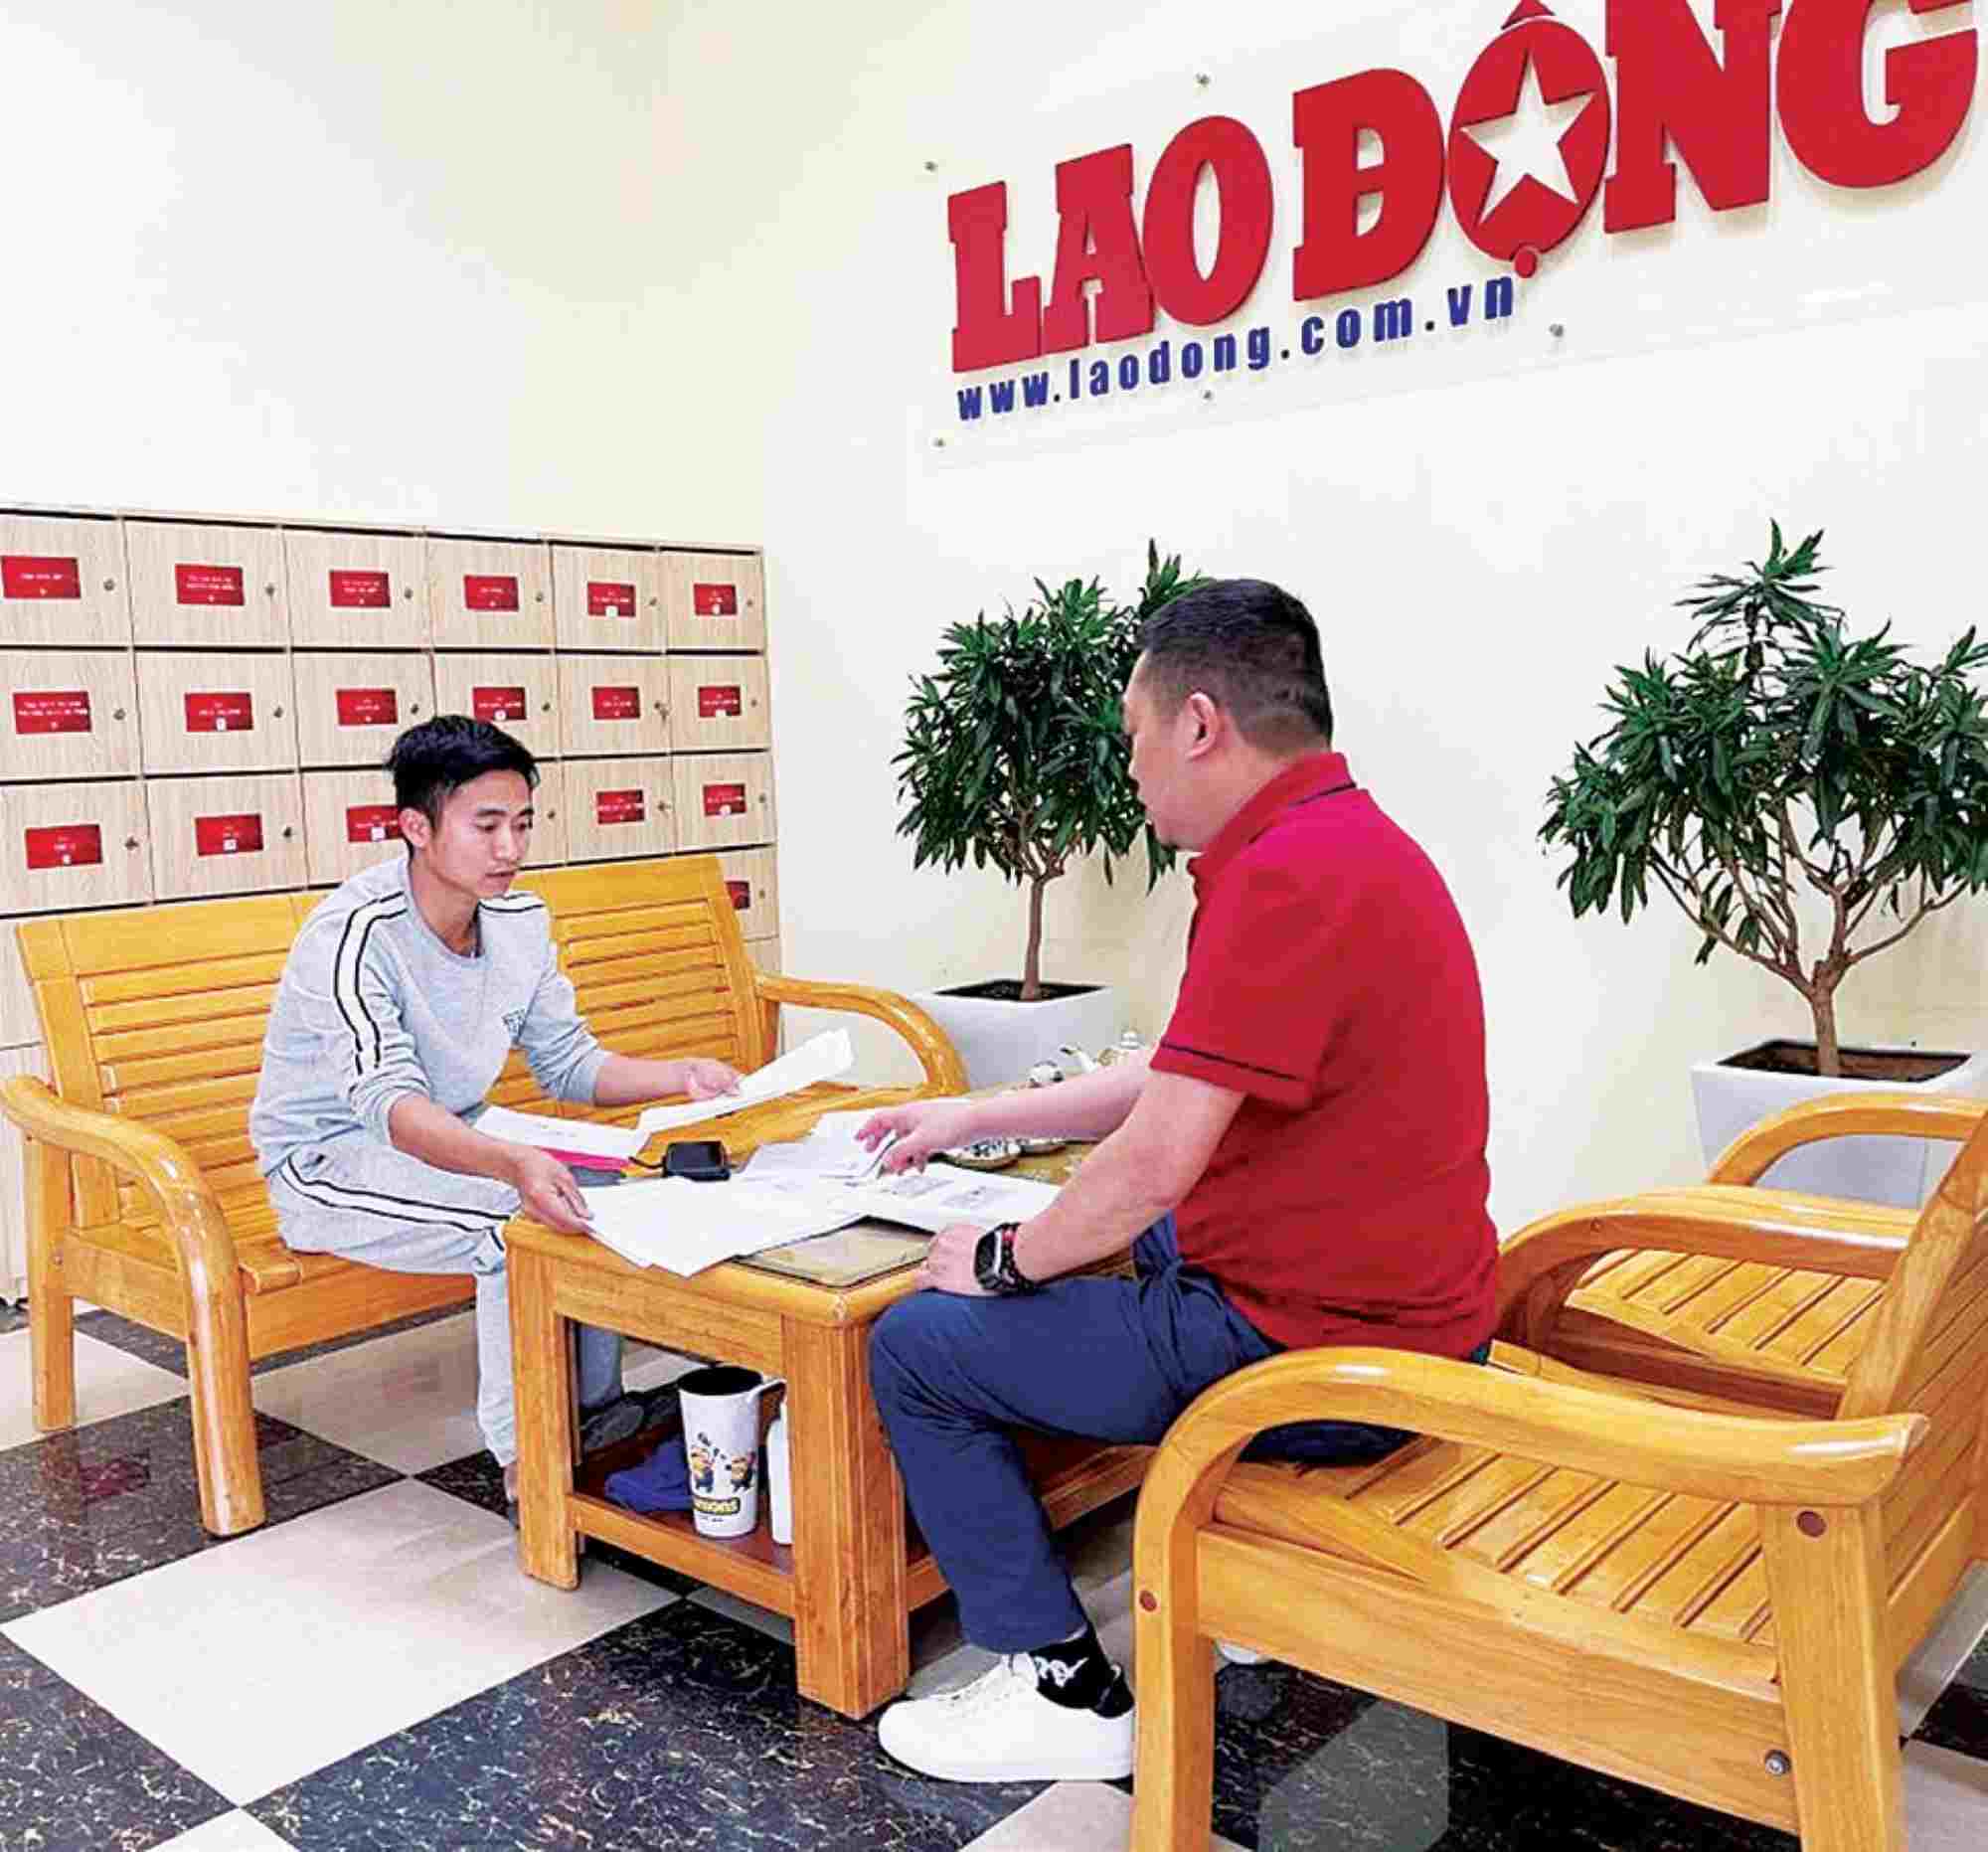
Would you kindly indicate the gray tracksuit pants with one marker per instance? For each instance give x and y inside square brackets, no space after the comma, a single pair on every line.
[366,1201]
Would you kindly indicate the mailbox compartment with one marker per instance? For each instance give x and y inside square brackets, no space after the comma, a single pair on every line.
[72,845]
[617,808]
[490,595]
[717,704]
[356,591]
[68,713]
[352,708]
[62,580]
[613,703]
[517,693]
[350,822]
[715,601]
[724,801]
[209,712]
[750,879]
[606,598]
[207,586]
[225,835]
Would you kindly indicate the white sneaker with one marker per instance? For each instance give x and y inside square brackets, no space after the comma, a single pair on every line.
[1001,1728]
[1238,1656]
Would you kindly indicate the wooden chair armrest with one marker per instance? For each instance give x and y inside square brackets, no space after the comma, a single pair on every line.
[189,1210]
[1540,1264]
[1688,1451]
[946,1072]
[1846,1115]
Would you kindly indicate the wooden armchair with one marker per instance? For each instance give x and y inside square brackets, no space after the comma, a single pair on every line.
[1692,1588]
[142,1189]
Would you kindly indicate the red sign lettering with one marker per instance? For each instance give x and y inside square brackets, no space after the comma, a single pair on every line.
[51,711]
[490,593]
[606,600]
[71,845]
[230,712]
[1326,123]
[1097,241]
[725,800]
[371,823]
[617,704]
[29,575]
[741,895]
[497,703]
[618,808]
[1221,145]
[715,600]
[207,585]
[231,835]
[371,592]
[368,707]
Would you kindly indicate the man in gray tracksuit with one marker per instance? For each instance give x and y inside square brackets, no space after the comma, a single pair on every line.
[404,994]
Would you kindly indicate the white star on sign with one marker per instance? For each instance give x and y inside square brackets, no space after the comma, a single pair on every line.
[1526,143]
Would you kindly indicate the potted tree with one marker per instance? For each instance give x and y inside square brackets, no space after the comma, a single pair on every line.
[1014,760]
[1808,797]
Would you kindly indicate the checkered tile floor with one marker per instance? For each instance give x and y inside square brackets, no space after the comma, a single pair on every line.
[371,1671]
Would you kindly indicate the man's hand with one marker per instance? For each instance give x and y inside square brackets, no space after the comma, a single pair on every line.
[948,1262]
[704,1079]
[922,1127]
[546,1190]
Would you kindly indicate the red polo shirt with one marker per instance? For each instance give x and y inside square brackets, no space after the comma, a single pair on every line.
[1330,982]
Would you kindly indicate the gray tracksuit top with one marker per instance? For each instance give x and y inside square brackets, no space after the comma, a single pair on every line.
[374,1007]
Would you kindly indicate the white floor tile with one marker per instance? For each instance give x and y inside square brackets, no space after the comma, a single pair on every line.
[409,1399]
[1946,1800]
[231,1832]
[1944,1651]
[1073,1816]
[253,1664]
[109,1382]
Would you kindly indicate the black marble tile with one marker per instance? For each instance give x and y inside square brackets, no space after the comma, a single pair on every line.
[681,1730]
[1959,1720]
[73,1779]
[480,1480]
[153,1347]
[86,1508]
[12,1318]
[1304,1763]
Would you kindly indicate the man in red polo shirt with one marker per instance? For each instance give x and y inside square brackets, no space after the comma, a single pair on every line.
[1304,1154]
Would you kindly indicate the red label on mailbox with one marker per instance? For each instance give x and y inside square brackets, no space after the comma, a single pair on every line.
[725,800]
[497,703]
[53,710]
[495,592]
[31,576]
[712,703]
[741,894]
[618,808]
[361,592]
[371,823]
[209,584]
[715,600]
[617,704]
[236,835]
[604,599]
[368,707]
[232,713]
[72,845]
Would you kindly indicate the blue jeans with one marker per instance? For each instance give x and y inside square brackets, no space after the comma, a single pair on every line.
[1103,1359]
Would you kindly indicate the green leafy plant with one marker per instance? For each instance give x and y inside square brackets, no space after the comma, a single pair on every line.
[1014,757]
[1779,753]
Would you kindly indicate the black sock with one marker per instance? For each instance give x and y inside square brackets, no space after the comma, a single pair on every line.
[1076,1674]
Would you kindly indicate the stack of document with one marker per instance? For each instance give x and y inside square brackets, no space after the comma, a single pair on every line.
[821,1059]
[810,1188]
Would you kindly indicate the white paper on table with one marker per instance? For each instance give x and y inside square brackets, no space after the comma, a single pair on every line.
[684,1227]
[942,1195]
[820,1058]
[829,1153]
[609,1142]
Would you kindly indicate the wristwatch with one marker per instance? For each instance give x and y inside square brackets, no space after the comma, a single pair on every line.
[994,1262]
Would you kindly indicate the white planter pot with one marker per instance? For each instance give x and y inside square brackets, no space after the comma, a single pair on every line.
[1899,1171]
[1001,1041]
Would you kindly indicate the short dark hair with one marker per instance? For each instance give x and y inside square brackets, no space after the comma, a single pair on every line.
[1252,649]
[434,760]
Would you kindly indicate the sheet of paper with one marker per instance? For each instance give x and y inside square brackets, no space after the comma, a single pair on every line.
[820,1058]
[684,1227]
[829,1153]
[937,1197]
[613,1142]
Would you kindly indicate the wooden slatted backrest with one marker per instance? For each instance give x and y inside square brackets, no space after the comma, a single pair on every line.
[1927,1352]
[657,959]
[157,1014]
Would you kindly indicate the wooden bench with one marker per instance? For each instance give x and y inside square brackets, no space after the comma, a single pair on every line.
[142,1192]
[1694,1589]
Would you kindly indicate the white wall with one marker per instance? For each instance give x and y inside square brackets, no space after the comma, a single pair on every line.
[595,267]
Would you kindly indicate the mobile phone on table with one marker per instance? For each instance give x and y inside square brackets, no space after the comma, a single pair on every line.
[702,1160]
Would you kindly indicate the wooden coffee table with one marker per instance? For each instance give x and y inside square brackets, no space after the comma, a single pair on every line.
[854,1570]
